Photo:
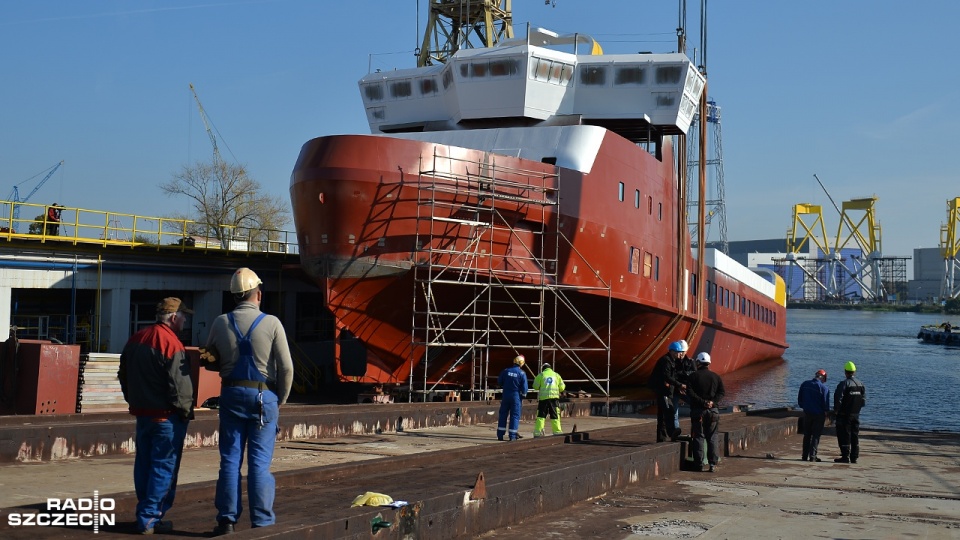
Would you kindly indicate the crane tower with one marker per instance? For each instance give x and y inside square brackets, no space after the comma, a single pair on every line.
[714,198]
[459,24]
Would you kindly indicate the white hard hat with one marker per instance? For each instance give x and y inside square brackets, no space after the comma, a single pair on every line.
[703,358]
[683,345]
[243,280]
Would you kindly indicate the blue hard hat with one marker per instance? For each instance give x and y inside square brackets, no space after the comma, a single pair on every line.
[676,346]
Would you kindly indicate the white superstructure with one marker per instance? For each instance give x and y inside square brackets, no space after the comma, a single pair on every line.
[525,82]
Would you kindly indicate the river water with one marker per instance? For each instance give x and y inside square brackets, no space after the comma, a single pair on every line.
[910,384]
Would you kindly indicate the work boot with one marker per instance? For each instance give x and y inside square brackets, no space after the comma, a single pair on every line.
[842,460]
[159,527]
[223,527]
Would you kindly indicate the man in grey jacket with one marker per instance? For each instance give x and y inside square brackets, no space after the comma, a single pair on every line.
[256,373]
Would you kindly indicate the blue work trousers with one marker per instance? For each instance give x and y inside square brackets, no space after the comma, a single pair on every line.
[156,465]
[676,412]
[246,425]
[509,408]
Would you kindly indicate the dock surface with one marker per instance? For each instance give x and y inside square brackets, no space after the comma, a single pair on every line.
[609,480]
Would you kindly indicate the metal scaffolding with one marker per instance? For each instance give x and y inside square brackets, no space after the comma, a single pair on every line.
[486,282]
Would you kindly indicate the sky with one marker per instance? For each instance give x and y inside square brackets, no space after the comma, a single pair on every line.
[860,92]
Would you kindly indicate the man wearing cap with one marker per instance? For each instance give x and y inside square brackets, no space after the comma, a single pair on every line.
[814,399]
[548,385]
[683,367]
[513,387]
[155,379]
[849,397]
[704,392]
[663,381]
[256,374]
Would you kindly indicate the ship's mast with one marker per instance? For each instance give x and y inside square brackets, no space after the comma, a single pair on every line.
[463,24]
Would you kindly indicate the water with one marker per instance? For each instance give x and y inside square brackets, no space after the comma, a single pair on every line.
[910,384]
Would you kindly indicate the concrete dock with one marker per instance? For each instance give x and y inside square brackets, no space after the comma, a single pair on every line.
[608,480]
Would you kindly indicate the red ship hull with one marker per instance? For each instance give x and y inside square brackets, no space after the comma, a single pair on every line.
[358,212]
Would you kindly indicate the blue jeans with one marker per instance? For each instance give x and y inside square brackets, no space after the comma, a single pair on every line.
[156,465]
[244,427]
[676,412]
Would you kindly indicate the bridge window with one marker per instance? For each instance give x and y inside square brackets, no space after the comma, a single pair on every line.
[620,192]
[593,75]
[504,68]
[668,74]
[373,92]
[636,199]
[629,75]
[428,86]
[478,69]
[401,89]
[647,264]
[447,78]
[634,260]
[666,99]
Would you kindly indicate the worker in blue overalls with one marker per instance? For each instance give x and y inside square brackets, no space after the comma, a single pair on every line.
[256,373]
[513,385]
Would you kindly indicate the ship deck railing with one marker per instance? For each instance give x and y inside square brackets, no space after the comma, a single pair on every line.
[97,227]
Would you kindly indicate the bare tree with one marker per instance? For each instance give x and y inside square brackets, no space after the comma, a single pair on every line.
[227,202]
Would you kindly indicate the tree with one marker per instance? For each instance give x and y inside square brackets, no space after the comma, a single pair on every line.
[227,203]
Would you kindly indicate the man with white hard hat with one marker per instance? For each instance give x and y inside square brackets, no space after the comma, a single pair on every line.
[704,393]
[256,373]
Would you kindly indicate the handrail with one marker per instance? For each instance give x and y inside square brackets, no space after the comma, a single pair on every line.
[84,226]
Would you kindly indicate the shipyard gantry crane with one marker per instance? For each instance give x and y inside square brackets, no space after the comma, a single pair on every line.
[833,274]
[15,194]
[455,24]
[829,272]
[950,248]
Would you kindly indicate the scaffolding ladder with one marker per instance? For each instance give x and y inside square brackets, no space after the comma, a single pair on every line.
[486,279]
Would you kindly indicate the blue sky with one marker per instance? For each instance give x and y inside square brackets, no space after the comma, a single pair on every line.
[861,92]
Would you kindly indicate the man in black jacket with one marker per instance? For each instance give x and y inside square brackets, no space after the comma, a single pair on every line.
[849,398]
[663,380]
[704,393]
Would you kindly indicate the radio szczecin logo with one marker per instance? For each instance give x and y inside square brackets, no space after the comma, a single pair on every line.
[81,512]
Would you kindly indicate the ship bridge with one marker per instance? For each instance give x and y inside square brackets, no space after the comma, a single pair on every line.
[533,81]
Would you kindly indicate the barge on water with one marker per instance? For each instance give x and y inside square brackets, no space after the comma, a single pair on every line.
[943,333]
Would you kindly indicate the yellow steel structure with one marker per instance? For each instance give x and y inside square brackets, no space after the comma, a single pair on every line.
[814,233]
[795,246]
[949,248]
[452,23]
[869,242]
[858,228]
[865,270]
[95,227]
